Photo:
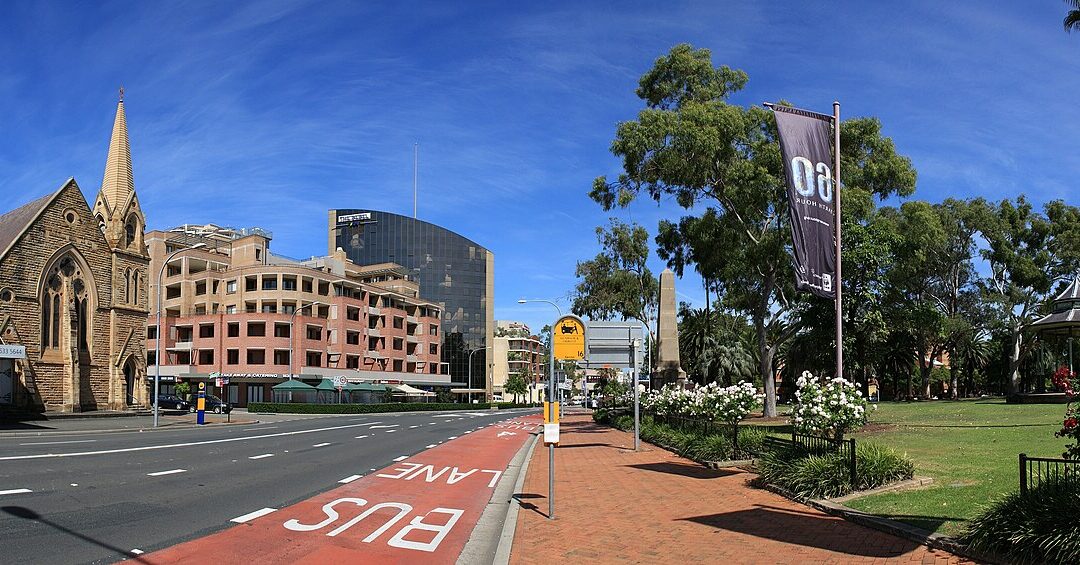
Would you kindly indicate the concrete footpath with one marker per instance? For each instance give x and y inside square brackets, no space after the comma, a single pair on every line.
[613,505]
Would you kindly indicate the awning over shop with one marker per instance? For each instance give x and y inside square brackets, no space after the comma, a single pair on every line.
[293,385]
[411,391]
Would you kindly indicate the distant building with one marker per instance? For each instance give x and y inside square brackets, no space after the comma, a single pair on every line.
[233,307]
[73,295]
[453,271]
[516,350]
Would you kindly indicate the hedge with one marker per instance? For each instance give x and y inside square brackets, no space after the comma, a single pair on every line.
[292,408]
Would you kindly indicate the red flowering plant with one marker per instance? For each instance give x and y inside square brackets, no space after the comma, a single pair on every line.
[1065,380]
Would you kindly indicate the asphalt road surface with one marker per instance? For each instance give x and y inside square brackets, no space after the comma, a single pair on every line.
[103,497]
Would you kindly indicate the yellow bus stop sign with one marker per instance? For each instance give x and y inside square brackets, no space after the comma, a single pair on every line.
[568,339]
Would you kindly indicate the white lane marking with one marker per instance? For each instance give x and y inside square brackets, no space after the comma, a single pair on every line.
[390,431]
[259,429]
[252,515]
[402,458]
[137,551]
[74,484]
[350,479]
[452,437]
[324,444]
[411,427]
[384,426]
[430,446]
[60,442]
[468,431]
[169,472]
[172,445]
[263,456]
[15,491]
[432,423]
[360,437]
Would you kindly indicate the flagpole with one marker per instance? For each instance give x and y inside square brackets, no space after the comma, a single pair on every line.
[836,220]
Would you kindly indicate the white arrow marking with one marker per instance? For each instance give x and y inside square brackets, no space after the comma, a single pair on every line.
[501,434]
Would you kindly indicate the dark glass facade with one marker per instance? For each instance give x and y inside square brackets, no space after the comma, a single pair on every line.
[452,271]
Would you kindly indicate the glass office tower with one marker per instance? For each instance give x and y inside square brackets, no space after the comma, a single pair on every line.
[452,270]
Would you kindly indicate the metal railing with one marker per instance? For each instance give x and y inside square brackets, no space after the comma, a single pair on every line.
[820,445]
[1035,471]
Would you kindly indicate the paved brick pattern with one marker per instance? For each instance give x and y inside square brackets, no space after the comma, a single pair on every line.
[617,506]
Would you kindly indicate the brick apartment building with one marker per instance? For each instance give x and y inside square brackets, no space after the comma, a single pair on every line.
[230,306]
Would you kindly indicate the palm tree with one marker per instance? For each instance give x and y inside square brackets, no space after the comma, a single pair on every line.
[1072,19]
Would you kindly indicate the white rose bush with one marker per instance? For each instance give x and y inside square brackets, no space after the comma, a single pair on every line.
[710,403]
[830,409]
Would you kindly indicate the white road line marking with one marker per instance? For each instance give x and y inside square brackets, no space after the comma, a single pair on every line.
[15,491]
[411,427]
[384,426]
[430,446]
[360,437]
[432,423]
[169,472]
[402,458]
[468,431]
[350,479]
[452,437]
[137,551]
[60,442]
[263,456]
[172,445]
[252,515]
[324,444]
[390,431]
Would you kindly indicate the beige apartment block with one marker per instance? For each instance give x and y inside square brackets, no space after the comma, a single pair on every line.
[517,350]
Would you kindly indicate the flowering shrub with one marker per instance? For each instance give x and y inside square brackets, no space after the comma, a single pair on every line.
[831,409]
[711,402]
[1065,380]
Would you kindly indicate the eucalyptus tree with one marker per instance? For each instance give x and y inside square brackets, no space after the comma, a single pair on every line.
[689,144]
[618,281]
[1072,17]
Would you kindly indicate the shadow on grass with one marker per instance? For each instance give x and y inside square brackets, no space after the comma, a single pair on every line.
[692,471]
[28,514]
[808,529]
[928,523]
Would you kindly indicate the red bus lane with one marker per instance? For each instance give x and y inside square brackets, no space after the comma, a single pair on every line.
[418,510]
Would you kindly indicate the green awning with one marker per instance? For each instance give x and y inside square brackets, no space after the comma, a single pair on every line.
[293,385]
[326,384]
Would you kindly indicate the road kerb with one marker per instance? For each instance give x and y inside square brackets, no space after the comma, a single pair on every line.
[506,538]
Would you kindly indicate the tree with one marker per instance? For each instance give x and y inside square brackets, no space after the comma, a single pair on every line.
[1030,254]
[1072,18]
[617,282]
[516,384]
[712,346]
[691,145]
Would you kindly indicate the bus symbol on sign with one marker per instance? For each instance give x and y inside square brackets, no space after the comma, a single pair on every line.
[568,343]
[569,329]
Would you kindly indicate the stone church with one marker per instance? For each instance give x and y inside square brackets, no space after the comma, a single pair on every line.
[73,299]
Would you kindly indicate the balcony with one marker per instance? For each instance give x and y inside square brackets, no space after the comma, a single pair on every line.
[374,355]
[180,346]
[411,319]
[374,311]
[412,338]
[374,332]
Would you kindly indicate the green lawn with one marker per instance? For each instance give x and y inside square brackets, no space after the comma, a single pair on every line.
[970,449]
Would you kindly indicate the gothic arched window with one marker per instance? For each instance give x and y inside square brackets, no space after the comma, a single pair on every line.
[129,232]
[127,286]
[135,287]
[65,288]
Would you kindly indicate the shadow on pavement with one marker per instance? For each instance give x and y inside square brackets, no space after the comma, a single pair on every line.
[693,471]
[28,514]
[22,426]
[573,445]
[799,528]
[520,498]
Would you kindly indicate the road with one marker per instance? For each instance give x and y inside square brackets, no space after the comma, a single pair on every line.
[96,497]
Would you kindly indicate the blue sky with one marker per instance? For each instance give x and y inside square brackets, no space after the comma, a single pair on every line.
[270,113]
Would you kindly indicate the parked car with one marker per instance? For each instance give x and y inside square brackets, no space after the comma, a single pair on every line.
[171,402]
[213,404]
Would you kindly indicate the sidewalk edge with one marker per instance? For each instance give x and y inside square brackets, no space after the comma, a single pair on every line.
[487,539]
[506,540]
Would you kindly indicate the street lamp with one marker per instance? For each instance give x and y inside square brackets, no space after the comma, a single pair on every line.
[292,336]
[470,369]
[157,341]
[550,398]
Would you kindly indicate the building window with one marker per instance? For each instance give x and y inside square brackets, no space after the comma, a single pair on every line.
[256,329]
[269,283]
[398,365]
[254,393]
[305,285]
[206,356]
[352,338]
[251,284]
[324,288]
[433,329]
[288,283]
[151,357]
[399,323]
[230,309]
[256,356]
[281,356]
[270,308]
[433,349]
[129,232]
[281,329]
[398,343]
[234,329]
[232,357]
[314,332]
[206,330]
[230,287]
[352,314]
[314,359]
[65,279]
[151,332]
[352,362]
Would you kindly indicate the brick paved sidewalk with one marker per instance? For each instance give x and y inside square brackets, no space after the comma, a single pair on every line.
[616,506]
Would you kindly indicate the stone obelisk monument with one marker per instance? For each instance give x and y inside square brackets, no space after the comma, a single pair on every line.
[667,331]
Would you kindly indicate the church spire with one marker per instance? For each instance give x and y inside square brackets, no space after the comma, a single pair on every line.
[118,184]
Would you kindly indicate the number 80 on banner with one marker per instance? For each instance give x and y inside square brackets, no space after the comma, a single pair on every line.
[807,177]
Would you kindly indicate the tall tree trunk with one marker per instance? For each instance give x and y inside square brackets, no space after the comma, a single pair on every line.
[924,372]
[765,354]
[1014,362]
[954,379]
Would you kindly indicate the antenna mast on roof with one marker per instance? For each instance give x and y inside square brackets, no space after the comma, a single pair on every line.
[415,175]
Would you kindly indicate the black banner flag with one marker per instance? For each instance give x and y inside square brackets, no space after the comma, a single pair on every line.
[804,143]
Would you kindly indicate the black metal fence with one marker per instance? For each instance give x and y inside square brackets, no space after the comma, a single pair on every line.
[1035,471]
[819,445]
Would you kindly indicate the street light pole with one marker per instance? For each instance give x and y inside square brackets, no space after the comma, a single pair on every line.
[550,398]
[292,336]
[157,341]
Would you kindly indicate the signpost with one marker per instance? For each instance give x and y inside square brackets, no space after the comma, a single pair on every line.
[200,405]
[567,344]
[619,344]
